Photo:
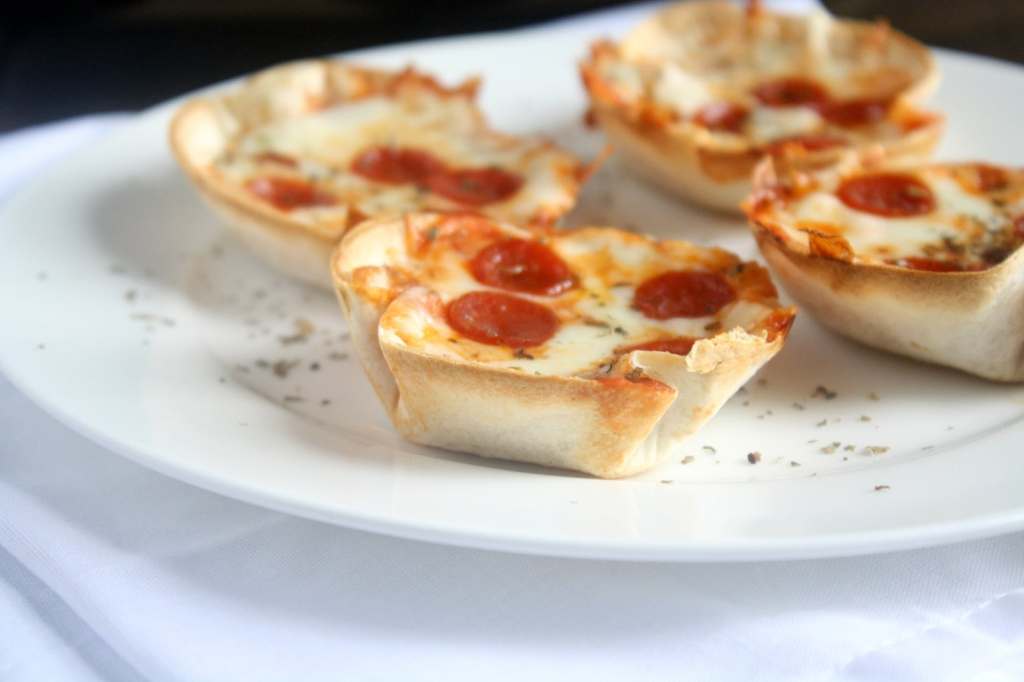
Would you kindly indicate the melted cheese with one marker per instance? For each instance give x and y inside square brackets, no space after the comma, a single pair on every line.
[768,124]
[684,59]
[681,91]
[326,142]
[597,316]
[971,221]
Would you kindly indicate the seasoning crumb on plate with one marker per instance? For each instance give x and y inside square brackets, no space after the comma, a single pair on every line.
[753,457]
[822,392]
[281,368]
[303,329]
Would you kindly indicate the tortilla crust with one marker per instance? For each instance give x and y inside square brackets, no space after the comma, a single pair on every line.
[620,424]
[203,128]
[972,321]
[688,161]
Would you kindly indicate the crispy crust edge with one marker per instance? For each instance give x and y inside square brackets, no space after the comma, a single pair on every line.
[972,321]
[686,162]
[608,428]
[202,127]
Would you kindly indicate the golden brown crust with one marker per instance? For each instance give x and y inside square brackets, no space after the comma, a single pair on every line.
[204,128]
[706,169]
[617,424]
[971,320]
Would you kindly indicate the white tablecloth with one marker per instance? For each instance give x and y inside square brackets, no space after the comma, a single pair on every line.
[111,572]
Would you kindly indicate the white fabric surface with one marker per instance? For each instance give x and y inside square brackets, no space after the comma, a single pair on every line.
[109,571]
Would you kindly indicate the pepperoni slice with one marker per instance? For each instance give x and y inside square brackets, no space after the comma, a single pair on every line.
[893,195]
[679,345]
[683,293]
[288,193]
[522,265]
[791,92]
[855,112]
[397,165]
[723,116]
[501,319]
[475,186]
[401,165]
[1018,227]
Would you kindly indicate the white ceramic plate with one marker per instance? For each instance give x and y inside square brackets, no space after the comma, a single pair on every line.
[129,316]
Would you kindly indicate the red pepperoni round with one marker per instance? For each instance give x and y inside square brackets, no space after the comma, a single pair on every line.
[522,265]
[397,165]
[679,345]
[855,112]
[791,92]
[288,193]
[893,195]
[1018,227]
[401,165]
[724,116]
[475,186]
[683,293]
[501,319]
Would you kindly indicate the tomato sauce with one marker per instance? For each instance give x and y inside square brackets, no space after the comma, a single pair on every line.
[777,322]
[522,265]
[683,293]
[680,345]
[499,319]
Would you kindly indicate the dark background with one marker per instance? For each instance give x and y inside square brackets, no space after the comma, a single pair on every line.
[59,59]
